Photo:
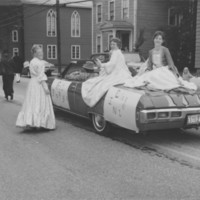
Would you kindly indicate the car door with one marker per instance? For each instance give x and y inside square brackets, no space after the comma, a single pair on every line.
[62,93]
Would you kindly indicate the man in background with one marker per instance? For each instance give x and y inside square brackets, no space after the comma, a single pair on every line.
[18,66]
[7,75]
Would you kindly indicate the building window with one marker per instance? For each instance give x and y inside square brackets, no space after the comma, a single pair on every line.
[174,17]
[51,52]
[99,13]
[51,23]
[99,44]
[75,24]
[15,51]
[15,36]
[75,52]
[111,10]
[110,36]
[125,9]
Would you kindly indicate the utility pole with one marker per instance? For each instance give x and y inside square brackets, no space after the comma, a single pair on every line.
[58,35]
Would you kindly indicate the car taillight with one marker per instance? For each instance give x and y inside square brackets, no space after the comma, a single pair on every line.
[151,115]
[163,115]
[176,114]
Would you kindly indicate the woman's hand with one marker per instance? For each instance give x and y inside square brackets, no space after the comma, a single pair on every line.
[98,63]
[45,87]
[46,90]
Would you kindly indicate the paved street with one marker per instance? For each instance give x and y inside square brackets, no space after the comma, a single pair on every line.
[74,163]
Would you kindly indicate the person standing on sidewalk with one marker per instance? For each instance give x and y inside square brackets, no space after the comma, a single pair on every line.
[37,109]
[7,75]
[18,66]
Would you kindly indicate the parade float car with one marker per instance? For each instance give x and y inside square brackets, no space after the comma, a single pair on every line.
[133,59]
[49,68]
[139,110]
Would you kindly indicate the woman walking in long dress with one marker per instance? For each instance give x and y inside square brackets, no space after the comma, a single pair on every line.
[112,73]
[37,110]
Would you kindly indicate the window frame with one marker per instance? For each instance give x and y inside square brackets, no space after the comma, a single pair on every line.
[99,4]
[15,48]
[109,35]
[122,9]
[100,43]
[13,36]
[169,16]
[56,52]
[75,58]
[50,14]
[109,2]
[74,14]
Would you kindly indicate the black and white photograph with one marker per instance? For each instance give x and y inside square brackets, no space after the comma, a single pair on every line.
[100,99]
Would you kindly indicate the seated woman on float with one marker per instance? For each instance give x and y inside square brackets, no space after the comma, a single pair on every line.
[159,71]
[160,56]
[111,73]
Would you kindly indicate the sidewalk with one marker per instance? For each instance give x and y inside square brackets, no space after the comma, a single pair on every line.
[19,90]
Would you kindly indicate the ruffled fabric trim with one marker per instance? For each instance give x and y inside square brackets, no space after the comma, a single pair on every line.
[38,120]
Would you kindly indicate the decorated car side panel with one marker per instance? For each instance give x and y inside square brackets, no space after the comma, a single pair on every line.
[62,93]
[120,107]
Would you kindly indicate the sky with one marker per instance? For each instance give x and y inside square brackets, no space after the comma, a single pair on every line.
[54,1]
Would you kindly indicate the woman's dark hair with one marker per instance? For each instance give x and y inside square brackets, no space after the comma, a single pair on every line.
[161,33]
[117,41]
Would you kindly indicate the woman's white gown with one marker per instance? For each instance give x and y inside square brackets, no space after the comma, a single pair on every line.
[94,88]
[160,78]
[37,109]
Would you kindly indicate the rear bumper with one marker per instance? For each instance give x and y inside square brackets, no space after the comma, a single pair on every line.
[169,122]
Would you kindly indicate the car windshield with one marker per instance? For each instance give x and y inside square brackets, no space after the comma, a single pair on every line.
[132,57]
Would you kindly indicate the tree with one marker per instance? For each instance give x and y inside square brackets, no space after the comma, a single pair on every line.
[181,37]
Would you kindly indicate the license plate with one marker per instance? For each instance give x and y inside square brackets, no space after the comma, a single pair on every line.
[193,119]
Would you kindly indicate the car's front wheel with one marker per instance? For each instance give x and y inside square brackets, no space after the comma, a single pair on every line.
[100,125]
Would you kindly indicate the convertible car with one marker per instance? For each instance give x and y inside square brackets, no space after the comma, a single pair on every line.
[49,68]
[138,110]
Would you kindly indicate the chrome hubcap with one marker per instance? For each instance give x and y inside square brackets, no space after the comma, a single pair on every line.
[99,121]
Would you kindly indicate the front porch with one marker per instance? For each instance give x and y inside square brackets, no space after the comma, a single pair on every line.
[120,29]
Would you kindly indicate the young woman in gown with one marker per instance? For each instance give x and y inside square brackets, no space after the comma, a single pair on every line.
[112,73]
[37,110]
[159,72]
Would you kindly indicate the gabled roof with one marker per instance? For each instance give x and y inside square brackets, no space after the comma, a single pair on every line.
[116,24]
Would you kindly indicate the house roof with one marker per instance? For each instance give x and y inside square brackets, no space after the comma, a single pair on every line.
[116,25]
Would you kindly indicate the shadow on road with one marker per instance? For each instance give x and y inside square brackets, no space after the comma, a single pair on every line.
[153,142]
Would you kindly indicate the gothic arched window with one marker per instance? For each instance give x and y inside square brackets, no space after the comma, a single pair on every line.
[75,24]
[51,23]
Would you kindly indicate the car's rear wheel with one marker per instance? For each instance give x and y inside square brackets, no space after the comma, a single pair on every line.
[100,125]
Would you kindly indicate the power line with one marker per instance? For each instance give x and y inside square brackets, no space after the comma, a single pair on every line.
[81,1]
[35,13]
[19,15]
[16,20]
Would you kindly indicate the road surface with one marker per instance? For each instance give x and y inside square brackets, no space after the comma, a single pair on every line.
[74,163]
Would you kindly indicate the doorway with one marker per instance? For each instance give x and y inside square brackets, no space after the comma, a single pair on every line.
[125,37]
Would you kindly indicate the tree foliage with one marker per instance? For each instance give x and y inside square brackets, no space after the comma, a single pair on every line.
[181,37]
